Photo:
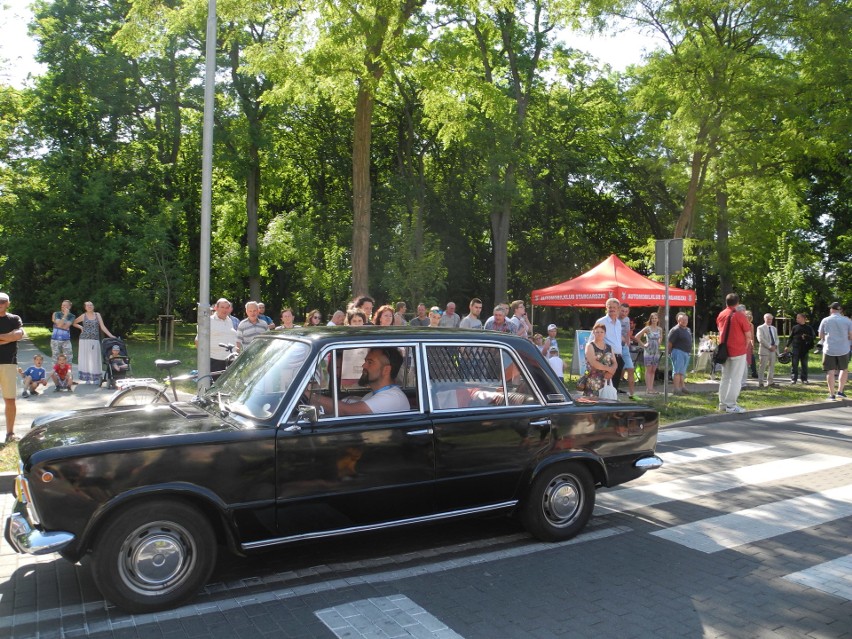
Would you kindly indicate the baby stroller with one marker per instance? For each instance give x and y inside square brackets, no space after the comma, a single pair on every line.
[116,360]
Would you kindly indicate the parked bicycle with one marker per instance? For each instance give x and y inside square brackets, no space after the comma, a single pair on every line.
[143,391]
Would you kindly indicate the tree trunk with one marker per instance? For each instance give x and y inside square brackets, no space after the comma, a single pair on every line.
[252,205]
[361,190]
[723,249]
[683,228]
[501,214]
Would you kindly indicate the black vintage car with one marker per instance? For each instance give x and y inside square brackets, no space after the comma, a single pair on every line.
[267,456]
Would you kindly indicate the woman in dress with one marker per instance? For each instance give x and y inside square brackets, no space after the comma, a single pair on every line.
[653,334]
[600,361]
[383,316]
[314,318]
[90,324]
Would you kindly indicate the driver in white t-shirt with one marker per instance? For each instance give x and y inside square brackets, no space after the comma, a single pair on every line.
[380,368]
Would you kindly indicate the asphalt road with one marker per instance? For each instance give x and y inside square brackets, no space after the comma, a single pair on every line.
[746,532]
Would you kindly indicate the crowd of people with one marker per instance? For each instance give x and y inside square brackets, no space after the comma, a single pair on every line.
[227,328]
[749,348]
[607,353]
[610,359]
[740,338]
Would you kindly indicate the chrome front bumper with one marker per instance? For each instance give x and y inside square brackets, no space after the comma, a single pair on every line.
[26,539]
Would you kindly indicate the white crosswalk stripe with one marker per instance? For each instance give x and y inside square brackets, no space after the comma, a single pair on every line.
[833,577]
[687,488]
[826,426]
[763,522]
[691,455]
[820,425]
[666,436]
[734,531]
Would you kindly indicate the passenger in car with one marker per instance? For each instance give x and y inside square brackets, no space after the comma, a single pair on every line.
[379,371]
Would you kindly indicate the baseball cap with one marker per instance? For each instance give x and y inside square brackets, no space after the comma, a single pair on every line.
[4,297]
[553,349]
[835,306]
[551,327]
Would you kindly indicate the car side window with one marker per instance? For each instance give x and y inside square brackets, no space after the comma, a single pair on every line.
[474,377]
[338,378]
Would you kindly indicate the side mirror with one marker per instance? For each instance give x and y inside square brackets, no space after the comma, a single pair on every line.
[308,413]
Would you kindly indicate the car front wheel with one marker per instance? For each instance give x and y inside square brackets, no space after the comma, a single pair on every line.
[153,555]
[560,502]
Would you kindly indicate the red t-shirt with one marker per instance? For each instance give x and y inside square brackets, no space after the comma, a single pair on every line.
[62,370]
[739,329]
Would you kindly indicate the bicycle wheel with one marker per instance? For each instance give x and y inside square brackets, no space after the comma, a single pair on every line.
[138,396]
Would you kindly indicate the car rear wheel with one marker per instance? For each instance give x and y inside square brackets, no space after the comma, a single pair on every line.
[560,502]
[153,555]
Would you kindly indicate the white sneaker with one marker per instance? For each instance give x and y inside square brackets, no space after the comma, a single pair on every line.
[735,409]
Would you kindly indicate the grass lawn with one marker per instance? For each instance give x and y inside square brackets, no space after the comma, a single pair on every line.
[142,347]
[699,404]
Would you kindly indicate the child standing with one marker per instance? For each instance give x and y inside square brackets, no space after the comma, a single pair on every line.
[62,374]
[34,377]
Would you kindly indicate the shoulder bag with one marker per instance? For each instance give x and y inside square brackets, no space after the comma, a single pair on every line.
[721,354]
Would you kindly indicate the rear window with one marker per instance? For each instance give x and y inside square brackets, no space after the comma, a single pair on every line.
[462,377]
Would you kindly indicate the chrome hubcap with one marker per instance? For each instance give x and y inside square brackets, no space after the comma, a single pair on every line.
[156,557]
[561,500]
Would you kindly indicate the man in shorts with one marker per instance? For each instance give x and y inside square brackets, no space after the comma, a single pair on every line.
[11,330]
[835,332]
[680,348]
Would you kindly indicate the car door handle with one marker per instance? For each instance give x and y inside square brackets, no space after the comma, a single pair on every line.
[541,423]
[418,433]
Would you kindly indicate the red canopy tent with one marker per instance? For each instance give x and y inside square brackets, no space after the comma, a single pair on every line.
[611,278]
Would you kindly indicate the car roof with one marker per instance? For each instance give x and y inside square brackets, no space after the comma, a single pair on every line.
[323,334]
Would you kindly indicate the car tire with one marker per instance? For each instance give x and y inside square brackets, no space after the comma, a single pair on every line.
[153,555]
[560,502]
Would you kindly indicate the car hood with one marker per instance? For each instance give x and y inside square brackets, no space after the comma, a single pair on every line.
[117,428]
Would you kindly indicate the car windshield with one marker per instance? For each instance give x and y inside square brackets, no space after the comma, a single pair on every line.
[257,382]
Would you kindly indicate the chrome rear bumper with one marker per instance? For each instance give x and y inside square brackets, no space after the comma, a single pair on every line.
[648,463]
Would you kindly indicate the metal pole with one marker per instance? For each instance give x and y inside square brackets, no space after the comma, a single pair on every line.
[666,333]
[203,364]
